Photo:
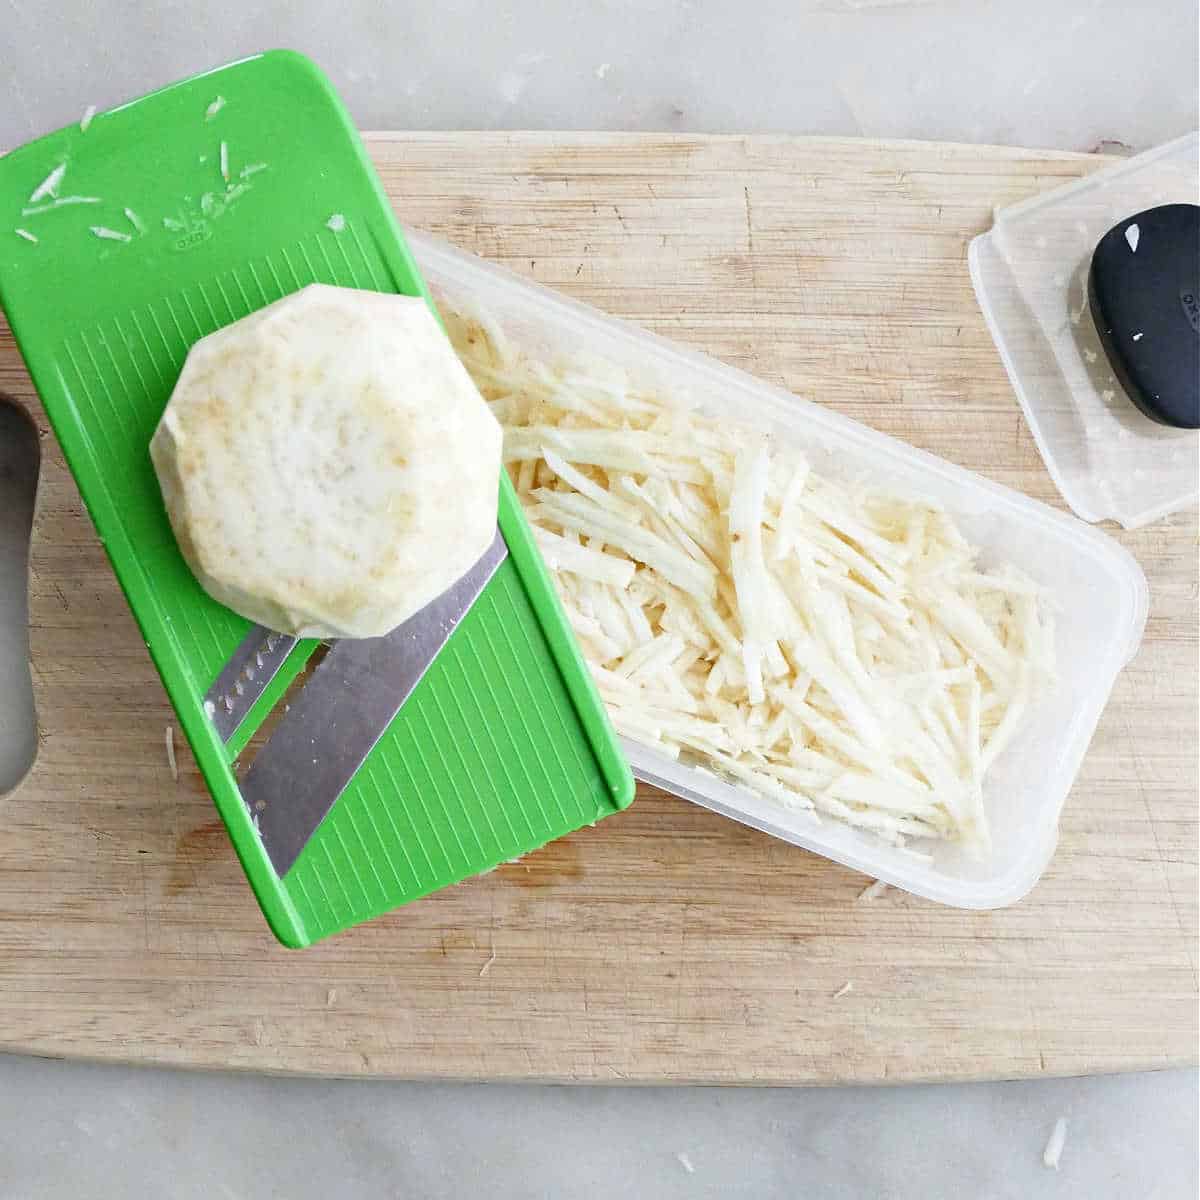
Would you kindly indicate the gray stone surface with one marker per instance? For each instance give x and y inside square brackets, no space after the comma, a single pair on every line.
[1025,72]
[77,1130]
[1028,72]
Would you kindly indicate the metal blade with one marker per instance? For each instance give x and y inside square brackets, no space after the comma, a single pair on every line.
[244,678]
[342,711]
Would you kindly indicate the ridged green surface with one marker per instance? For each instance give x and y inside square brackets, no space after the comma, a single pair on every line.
[504,744]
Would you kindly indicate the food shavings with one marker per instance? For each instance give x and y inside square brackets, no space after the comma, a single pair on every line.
[1133,235]
[873,891]
[170,738]
[844,990]
[24,233]
[487,966]
[49,185]
[86,120]
[214,108]
[59,202]
[337,223]
[833,647]
[111,235]
[251,169]
[686,1163]
[1054,1147]
[210,709]
[330,997]
[224,159]
[135,220]
[1137,337]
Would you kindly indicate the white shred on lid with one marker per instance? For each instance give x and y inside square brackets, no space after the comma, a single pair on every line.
[135,220]
[1133,235]
[844,990]
[214,108]
[111,235]
[24,233]
[49,185]
[337,223]
[874,891]
[603,69]
[225,161]
[1137,337]
[210,709]
[171,753]
[1054,1147]
[686,1163]
[86,119]
[251,169]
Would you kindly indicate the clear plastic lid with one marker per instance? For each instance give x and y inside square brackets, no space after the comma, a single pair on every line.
[1030,274]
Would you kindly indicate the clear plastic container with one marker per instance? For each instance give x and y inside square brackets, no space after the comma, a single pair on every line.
[1100,587]
[1030,271]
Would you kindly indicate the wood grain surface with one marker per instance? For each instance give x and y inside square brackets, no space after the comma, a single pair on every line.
[666,943]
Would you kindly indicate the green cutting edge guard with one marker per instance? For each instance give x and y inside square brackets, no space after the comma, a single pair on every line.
[194,206]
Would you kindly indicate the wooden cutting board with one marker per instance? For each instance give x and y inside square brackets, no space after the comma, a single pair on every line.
[667,943]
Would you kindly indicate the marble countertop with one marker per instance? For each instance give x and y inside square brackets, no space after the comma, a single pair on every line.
[1069,76]
[1064,76]
[74,1130]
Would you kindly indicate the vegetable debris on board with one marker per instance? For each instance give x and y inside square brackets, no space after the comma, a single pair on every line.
[829,645]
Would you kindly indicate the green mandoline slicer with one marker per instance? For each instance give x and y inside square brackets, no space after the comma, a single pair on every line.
[469,736]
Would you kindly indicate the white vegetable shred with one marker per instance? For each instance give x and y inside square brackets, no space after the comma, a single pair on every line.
[35,210]
[49,186]
[170,736]
[1052,1155]
[828,645]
